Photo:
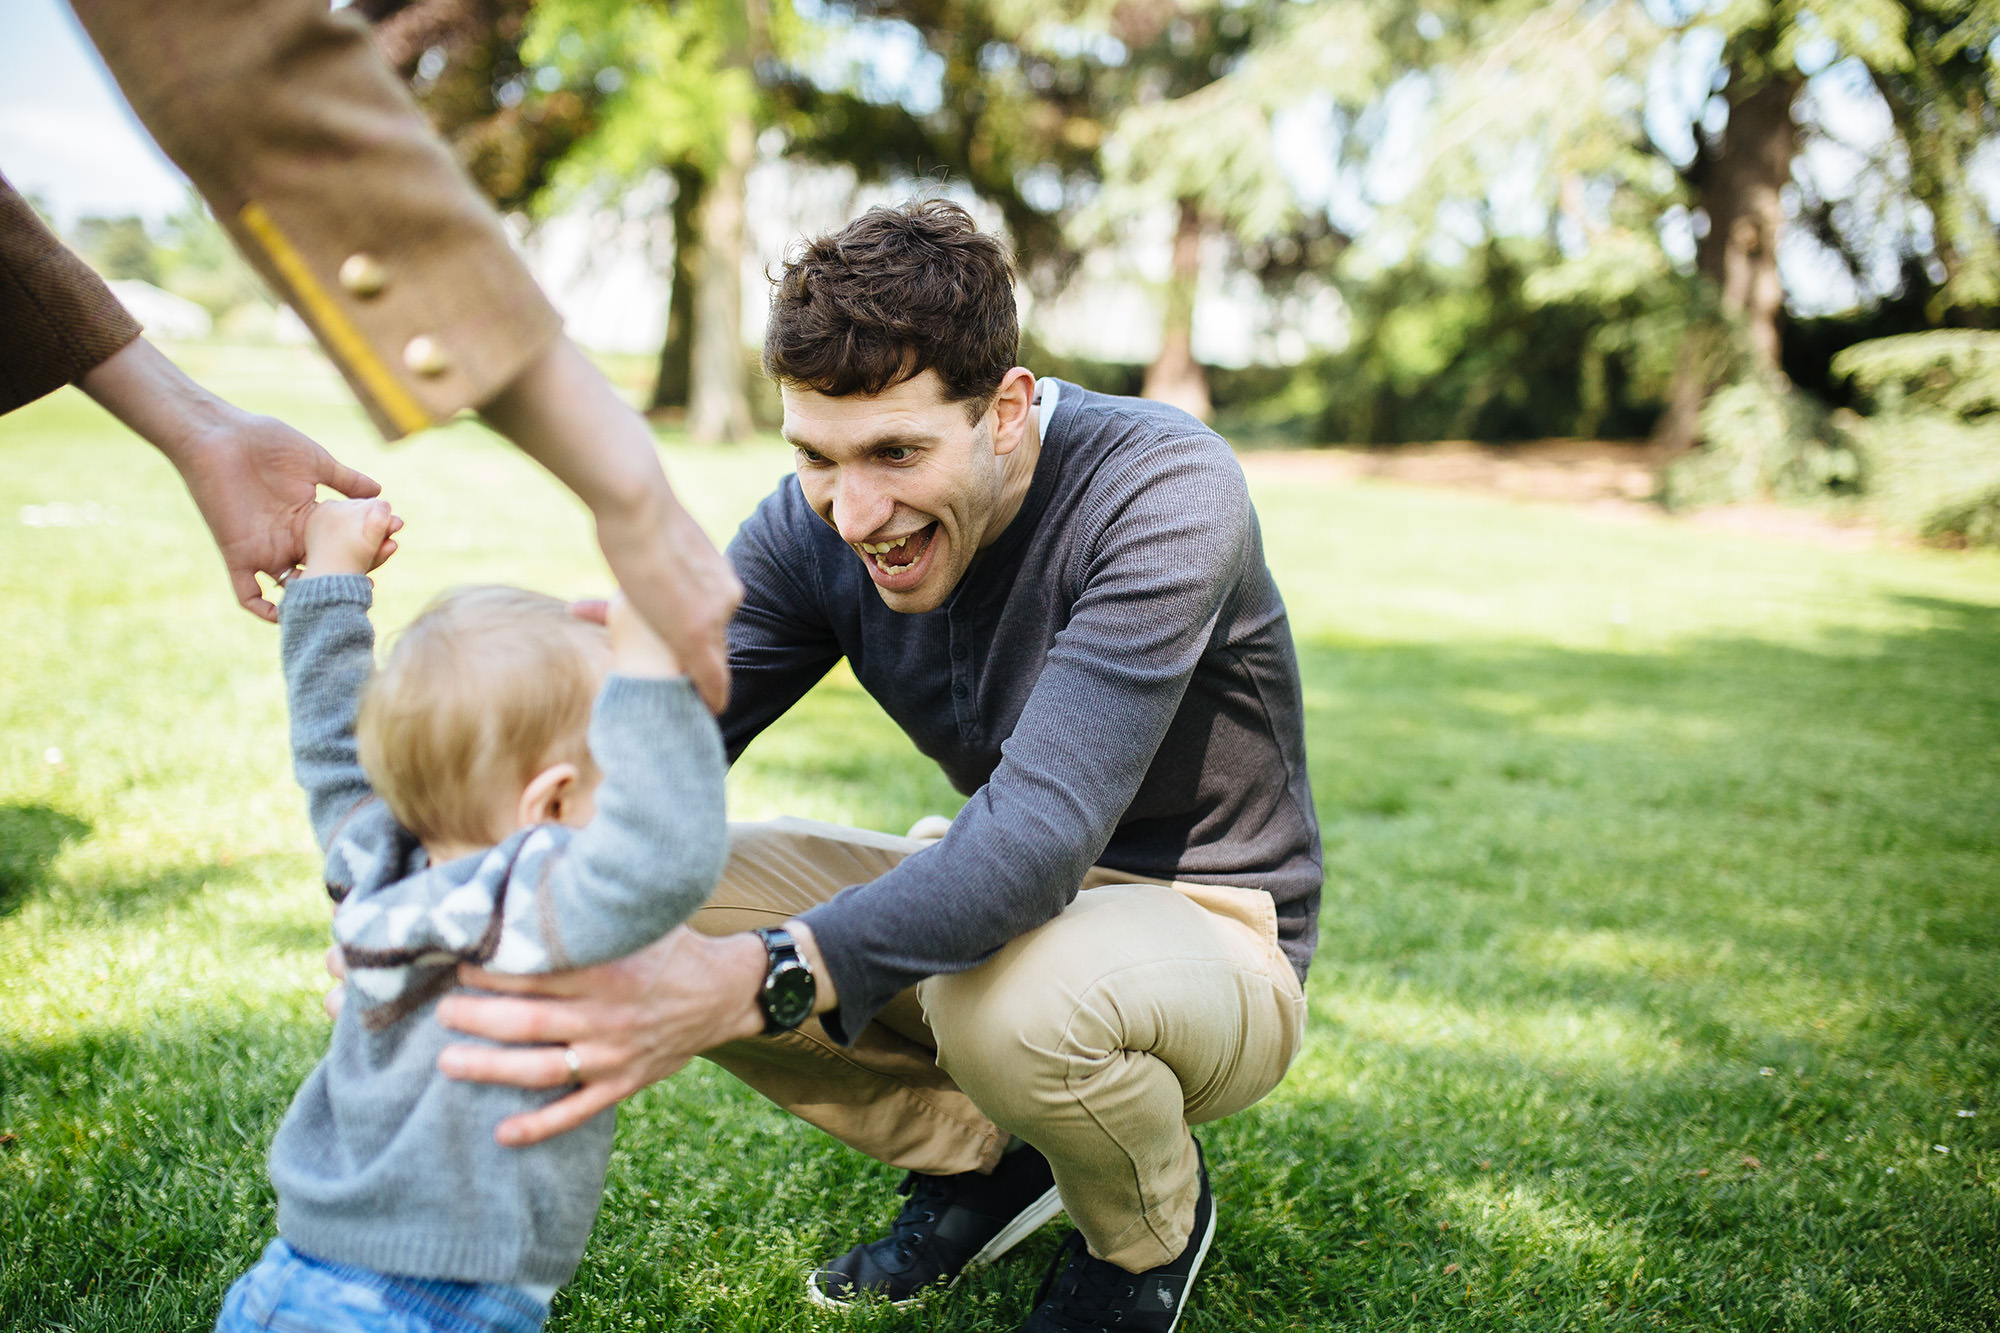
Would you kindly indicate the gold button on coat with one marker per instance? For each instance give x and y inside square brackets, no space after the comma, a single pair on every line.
[363,274]
[426,356]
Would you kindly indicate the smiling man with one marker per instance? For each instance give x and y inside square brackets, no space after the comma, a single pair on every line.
[1062,598]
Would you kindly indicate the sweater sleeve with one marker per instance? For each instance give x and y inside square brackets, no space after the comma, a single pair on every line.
[327,646]
[58,320]
[780,643]
[647,859]
[1170,539]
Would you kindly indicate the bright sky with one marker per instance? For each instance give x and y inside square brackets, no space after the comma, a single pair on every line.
[66,135]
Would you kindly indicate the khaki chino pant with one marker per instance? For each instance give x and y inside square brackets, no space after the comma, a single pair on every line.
[1098,1037]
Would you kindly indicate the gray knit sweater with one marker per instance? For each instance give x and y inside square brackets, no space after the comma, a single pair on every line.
[1112,682]
[382,1162]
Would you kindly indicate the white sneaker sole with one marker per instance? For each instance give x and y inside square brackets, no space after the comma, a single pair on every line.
[1025,1224]
[1194,1269]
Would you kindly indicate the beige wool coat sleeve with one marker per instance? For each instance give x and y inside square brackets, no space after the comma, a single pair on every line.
[335,187]
[57,318]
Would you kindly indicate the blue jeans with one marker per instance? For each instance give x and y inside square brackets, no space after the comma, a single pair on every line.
[289,1292]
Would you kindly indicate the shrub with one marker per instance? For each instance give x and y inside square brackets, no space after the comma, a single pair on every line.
[1763,439]
[1931,441]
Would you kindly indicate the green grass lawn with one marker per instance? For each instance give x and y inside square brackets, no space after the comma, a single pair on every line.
[1659,975]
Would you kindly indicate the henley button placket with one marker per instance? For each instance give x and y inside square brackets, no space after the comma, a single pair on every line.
[961,675]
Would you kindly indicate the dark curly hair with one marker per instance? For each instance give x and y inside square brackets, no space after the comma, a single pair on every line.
[894,293]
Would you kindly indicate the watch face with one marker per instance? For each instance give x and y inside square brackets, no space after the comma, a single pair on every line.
[788,995]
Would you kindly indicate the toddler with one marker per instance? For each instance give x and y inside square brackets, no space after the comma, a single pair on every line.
[475,805]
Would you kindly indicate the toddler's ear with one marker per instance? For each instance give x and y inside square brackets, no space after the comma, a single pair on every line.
[543,798]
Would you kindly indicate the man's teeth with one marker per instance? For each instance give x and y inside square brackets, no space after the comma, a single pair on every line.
[881,549]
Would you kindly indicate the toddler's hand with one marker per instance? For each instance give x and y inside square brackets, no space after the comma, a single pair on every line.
[635,649]
[349,536]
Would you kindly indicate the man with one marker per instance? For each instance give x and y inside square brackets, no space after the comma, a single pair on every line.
[1062,598]
[332,183]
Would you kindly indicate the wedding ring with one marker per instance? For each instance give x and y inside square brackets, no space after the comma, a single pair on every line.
[575,1063]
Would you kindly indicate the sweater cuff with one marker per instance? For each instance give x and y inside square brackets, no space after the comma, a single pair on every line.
[327,590]
[856,1008]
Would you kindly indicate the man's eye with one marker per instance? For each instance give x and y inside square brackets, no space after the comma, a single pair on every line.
[899,453]
[808,456]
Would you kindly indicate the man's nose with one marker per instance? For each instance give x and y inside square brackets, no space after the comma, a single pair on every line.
[859,506]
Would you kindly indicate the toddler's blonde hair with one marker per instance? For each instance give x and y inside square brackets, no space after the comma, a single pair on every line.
[485,688]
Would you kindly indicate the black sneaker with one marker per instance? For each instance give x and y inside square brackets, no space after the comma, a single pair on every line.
[949,1224]
[1084,1294]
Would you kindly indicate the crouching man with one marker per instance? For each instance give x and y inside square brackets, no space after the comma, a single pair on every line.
[1062,598]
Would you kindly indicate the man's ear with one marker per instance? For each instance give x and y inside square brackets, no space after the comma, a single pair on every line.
[1013,405]
[542,799]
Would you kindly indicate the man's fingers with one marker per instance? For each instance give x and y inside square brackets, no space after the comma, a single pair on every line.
[559,1117]
[515,1066]
[708,668]
[527,1021]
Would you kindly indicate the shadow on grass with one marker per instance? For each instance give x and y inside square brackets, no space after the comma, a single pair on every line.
[32,836]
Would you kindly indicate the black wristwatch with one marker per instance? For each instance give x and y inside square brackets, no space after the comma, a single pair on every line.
[787,994]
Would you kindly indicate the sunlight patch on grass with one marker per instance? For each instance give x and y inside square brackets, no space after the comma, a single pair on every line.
[1605,1041]
[1513,1217]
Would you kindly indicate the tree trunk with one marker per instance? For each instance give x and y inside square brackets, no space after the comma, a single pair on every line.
[718,400]
[1739,188]
[1175,376]
[670,385]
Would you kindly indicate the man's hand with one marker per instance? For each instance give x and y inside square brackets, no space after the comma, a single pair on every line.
[630,1023]
[254,479]
[350,537]
[675,578]
[564,415]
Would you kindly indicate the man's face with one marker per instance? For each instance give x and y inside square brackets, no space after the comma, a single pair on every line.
[914,487]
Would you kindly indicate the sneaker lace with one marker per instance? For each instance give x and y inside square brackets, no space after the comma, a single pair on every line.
[911,1230]
[1083,1293]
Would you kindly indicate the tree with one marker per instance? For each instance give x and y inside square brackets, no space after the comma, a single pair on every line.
[1943,102]
[679,93]
[1188,90]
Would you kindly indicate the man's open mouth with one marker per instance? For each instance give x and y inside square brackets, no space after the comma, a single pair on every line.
[898,556]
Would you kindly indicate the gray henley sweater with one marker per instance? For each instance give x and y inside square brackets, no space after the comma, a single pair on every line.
[381,1161]
[1112,682]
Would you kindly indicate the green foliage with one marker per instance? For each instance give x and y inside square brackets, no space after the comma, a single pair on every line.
[1954,371]
[198,262]
[674,87]
[1495,347]
[189,255]
[117,247]
[1762,439]
[1933,437]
